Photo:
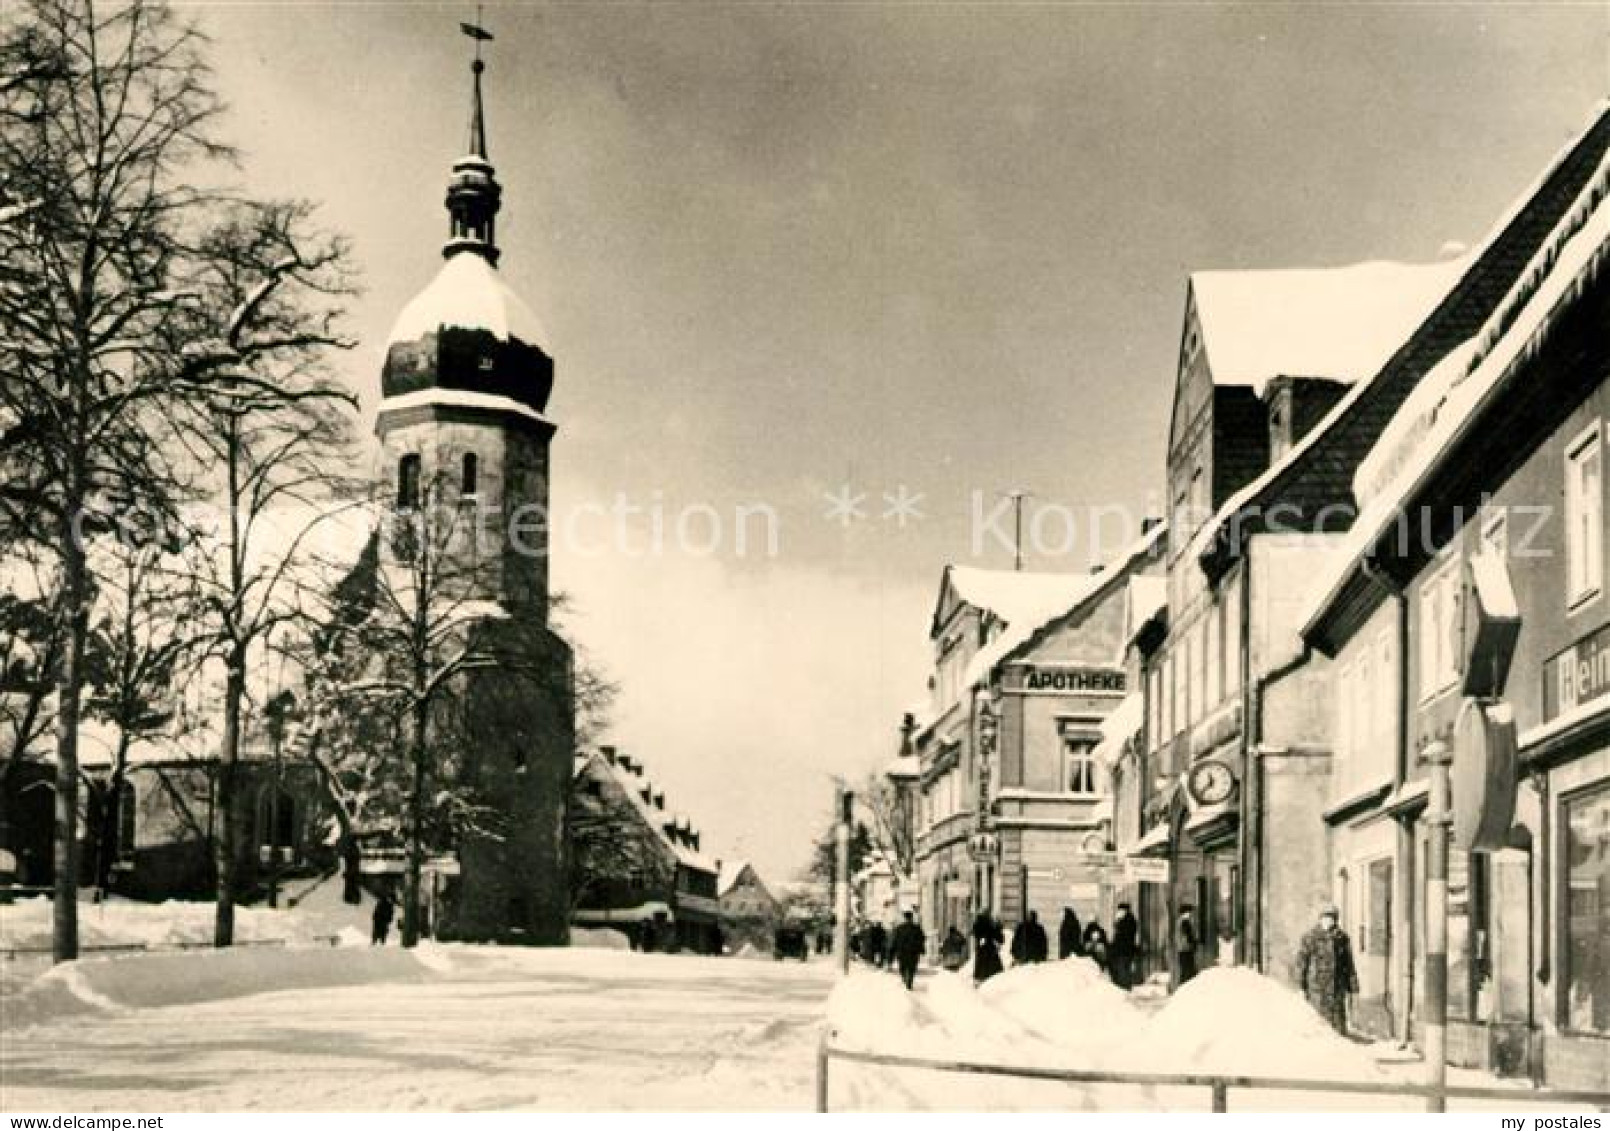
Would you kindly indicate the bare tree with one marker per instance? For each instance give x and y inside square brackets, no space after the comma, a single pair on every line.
[107,162]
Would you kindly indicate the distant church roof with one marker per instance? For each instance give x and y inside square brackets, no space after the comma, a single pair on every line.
[467,330]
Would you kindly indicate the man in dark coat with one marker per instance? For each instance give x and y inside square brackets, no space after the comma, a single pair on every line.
[1185,944]
[987,938]
[907,946]
[1125,950]
[384,910]
[1070,944]
[1325,969]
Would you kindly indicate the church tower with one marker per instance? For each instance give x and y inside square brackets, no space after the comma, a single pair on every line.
[464,441]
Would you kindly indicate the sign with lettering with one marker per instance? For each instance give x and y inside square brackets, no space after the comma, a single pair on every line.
[1577,675]
[1082,681]
[1146,869]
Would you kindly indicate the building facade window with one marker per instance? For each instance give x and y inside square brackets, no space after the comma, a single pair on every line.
[1587,911]
[128,819]
[1438,628]
[469,480]
[408,481]
[1584,518]
[1215,658]
[1081,772]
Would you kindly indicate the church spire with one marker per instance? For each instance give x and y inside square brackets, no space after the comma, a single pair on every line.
[473,193]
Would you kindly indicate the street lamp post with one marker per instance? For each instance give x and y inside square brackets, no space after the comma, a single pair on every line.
[1438,820]
[841,893]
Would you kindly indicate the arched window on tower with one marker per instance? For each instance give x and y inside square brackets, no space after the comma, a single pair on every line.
[276,825]
[408,482]
[127,820]
[471,477]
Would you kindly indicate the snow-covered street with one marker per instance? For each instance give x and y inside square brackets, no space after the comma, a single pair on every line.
[467,1029]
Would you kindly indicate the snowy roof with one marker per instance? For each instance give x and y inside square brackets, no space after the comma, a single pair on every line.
[1148,596]
[731,872]
[1049,603]
[1493,244]
[1122,724]
[1451,399]
[656,819]
[1336,322]
[468,293]
[1013,594]
[460,398]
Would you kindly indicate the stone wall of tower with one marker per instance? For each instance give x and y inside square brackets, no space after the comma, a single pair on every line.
[514,883]
[499,535]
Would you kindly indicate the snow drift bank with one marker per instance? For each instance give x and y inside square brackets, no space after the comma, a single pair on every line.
[26,924]
[146,981]
[1068,1015]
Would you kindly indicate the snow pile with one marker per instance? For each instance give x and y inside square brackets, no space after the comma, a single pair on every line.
[1070,1004]
[1067,1014]
[118,922]
[599,938]
[147,981]
[1230,1019]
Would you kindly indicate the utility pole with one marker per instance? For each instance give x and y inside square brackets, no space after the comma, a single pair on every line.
[1436,996]
[841,892]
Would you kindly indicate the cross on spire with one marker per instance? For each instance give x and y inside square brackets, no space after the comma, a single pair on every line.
[473,193]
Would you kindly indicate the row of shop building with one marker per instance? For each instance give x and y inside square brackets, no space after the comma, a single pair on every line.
[1367,467]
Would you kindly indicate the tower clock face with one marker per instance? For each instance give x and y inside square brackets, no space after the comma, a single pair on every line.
[1211,782]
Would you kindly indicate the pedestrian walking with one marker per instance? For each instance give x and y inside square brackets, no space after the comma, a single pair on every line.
[907,946]
[1125,950]
[987,939]
[953,950]
[1095,942]
[1185,944]
[1036,948]
[1325,969]
[878,944]
[1070,940]
[385,909]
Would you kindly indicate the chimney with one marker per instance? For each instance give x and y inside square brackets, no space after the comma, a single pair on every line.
[609,754]
[659,800]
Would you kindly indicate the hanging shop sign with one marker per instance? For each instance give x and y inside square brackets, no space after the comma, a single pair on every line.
[1484,775]
[1082,681]
[1490,620]
[1145,870]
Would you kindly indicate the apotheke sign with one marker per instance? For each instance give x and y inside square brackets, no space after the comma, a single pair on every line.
[1086,681]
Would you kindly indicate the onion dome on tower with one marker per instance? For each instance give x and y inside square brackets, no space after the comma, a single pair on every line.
[467,336]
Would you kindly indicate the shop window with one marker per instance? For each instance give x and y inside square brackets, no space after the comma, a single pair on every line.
[1586,865]
[1584,518]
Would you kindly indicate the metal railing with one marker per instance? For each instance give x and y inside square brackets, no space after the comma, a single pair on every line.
[1217,1084]
[11,953]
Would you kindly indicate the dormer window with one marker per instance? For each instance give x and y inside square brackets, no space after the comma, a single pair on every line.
[408,481]
[469,482]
